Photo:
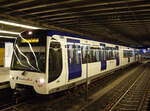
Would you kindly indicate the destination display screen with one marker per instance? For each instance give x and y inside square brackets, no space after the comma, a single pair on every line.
[34,37]
[32,40]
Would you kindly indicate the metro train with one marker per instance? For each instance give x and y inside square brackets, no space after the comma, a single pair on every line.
[50,61]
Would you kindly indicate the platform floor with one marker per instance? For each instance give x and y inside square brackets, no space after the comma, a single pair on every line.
[4,74]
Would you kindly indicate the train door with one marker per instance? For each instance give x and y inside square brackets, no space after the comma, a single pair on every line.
[117,56]
[103,57]
[74,58]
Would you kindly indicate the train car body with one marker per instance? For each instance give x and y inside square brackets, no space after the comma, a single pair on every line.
[51,61]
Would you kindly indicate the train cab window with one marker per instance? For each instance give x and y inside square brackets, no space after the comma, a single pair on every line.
[55,60]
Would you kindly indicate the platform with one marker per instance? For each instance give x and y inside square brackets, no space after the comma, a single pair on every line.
[4,77]
[4,74]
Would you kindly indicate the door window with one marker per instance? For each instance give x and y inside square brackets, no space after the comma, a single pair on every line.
[55,60]
[74,53]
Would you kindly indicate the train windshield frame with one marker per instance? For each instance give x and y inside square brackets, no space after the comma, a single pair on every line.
[29,52]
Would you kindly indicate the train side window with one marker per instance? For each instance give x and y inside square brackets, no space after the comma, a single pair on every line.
[130,53]
[77,53]
[70,47]
[125,53]
[74,53]
[55,60]
[109,53]
[88,54]
[112,55]
[116,53]
[97,55]
[93,57]
[100,54]
[85,54]
[94,54]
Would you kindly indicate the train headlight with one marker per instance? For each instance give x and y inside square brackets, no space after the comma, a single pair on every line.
[40,82]
[30,32]
[10,76]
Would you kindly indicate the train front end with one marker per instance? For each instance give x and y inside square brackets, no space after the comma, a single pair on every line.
[28,67]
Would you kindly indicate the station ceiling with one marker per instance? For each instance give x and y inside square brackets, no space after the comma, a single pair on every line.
[125,22]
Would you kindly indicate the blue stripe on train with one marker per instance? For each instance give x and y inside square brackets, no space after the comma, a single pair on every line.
[117,58]
[103,61]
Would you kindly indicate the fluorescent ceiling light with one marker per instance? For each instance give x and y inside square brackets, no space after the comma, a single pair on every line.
[9,32]
[18,25]
[7,37]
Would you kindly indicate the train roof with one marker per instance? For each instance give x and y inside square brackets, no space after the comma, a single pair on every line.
[54,32]
[62,33]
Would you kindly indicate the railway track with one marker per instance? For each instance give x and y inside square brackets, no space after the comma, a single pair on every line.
[136,98]
[10,106]
[67,101]
[11,102]
[128,96]
[104,100]
[15,104]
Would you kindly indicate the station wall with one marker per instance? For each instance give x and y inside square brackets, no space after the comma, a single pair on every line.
[6,51]
[2,55]
[8,54]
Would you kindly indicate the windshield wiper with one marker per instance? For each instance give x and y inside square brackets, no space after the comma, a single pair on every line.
[23,73]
